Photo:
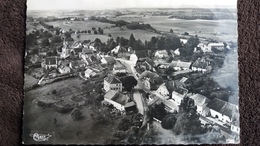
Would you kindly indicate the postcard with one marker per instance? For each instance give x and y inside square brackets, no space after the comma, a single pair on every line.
[131,72]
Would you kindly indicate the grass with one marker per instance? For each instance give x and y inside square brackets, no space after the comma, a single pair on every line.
[207,27]
[40,120]
[79,25]
[29,81]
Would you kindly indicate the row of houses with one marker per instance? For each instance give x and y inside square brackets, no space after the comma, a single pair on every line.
[216,108]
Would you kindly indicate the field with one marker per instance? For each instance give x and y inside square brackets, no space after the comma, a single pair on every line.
[115,32]
[41,119]
[79,25]
[215,29]
[29,81]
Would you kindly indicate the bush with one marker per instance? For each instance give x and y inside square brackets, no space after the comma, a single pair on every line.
[54,92]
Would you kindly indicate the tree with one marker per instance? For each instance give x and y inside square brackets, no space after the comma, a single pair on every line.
[169,121]
[188,121]
[95,32]
[97,40]
[131,40]
[30,40]
[67,35]
[89,31]
[109,35]
[171,31]
[157,111]
[57,32]
[78,36]
[172,42]
[56,39]
[45,42]
[124,124]
[128,83]
[93,28]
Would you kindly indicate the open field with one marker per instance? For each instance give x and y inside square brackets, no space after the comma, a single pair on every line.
[38,119]
[29,81]
[79,25]
[215,29]
[91,37]
[115,32]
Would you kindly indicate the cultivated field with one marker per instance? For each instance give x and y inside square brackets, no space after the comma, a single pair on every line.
[79,25]
[215,29]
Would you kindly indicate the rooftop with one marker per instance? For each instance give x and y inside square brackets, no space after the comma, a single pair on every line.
[117,97]
[223,107]
[51,61]
[112,79]
[200,99]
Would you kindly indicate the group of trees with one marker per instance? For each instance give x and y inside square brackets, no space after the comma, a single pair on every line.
[185,121]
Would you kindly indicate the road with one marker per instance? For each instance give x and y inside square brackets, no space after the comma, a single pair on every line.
[131,70]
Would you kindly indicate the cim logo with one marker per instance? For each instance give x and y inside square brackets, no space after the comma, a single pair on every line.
[40,137]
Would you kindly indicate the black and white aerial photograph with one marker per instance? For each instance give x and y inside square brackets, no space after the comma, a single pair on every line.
[131,72]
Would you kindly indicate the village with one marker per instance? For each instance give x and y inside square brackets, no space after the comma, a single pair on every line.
[157,85]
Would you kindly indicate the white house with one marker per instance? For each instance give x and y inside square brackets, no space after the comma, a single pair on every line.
[161,54]
[133,58]
[201,65]
[116,99]
[89,73]
[162,90]
[179,94]
[221,110]
[219,46]
[184,41]
[180,65]
[64,69]
[201,103]
[177,52]
[112,83]
[204,47]
[119,68]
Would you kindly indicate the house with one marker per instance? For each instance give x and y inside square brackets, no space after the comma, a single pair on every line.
[133,58]
[77,64]
[235,124]
[219,46]
[42,52]
[65,52]
[162,90]
[201,103]
[116,99]
[130,106]
[201,65]
[90,73]
[120,51]
[178,94]
[76,51]
[159,61]
[119,68]
[204,47]
[112,83]
[64,69]
[161,54]
[177,52]
[50,62]
[108,60]
[151,80]
[221,110]
[180,65]
[184,41]
[35,59]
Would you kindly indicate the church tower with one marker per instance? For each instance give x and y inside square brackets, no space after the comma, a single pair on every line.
[65,49]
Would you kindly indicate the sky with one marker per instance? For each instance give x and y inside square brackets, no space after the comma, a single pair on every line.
[115,4]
